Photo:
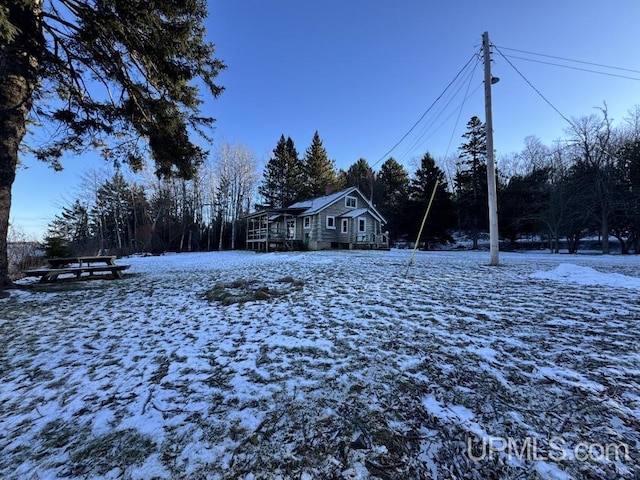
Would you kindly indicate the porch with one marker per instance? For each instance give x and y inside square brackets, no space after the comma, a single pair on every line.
[372,241]
[365,241]
[272,231]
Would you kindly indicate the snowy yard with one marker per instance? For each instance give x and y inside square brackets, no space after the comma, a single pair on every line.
[348,368]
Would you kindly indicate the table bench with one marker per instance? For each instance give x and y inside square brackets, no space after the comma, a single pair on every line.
[77,266]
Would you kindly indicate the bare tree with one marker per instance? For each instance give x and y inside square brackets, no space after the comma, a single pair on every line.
[535,154]
[631,125]
[236,170]
[592,140]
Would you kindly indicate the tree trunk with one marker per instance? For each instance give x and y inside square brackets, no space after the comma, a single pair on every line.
[233,234]
[18,74]
[605,233]
[221,233]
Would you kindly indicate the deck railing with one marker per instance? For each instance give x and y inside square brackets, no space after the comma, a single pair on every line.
[261,234]
[378,239]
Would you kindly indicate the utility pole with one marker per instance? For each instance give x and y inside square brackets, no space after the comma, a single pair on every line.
[491,168]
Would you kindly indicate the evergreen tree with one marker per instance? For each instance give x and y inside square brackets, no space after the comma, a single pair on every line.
[341,179]
[72,224]
[120,211]
[522,201]
[124,70]
[441,217]
[319,172]
[57,247]
[626,222]
[361,175]
[393,184]
[471,181]
[283,176]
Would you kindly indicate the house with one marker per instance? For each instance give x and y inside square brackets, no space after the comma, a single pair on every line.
[344,219]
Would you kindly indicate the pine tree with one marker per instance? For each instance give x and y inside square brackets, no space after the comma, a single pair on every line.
[120,211]
[471,180]
[441,218]
[393,184]
[393,180]
[283,175]
[72,224]
[319,172]
[361,175]
[124,70]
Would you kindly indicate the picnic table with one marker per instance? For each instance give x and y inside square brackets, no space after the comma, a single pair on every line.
[77,266]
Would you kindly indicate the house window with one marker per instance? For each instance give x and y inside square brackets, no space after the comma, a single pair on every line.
[331,222]
[345,225]
[306,222]
[362,225]
[351,202]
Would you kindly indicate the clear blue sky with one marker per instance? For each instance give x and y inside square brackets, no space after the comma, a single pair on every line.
[362,72]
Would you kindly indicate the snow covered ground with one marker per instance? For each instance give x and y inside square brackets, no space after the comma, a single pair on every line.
[350,366]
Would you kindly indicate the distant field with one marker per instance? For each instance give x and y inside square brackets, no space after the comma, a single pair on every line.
[333,365]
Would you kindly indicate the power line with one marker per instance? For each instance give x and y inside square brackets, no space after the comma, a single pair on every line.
[464,100]
[577,68]
[424,133]
[571,60]
[474,56]
[534,88]
[424,137]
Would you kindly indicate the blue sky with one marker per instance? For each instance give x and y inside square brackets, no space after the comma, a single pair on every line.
[362,73]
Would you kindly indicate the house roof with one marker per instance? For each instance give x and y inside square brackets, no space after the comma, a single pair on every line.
[362,211]
[314,205]
[354,213]
[274,213]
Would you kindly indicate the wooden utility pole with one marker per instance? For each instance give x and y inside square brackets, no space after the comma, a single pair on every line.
[491,168]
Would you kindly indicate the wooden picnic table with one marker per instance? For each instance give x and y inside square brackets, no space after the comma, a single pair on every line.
[77,266]
[63,261]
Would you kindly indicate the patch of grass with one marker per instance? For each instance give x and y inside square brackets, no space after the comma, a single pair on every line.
[41,374]
[58,434]
[292,281]
[120,448]
[248,290]
[163,368]
[257,377]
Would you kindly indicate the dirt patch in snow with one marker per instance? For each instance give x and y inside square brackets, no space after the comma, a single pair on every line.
[242,290]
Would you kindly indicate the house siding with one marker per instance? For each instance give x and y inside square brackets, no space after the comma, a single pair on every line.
[328,238]
[318,236]
[372,227]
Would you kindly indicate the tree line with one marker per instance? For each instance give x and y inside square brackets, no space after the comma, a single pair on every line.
[155,213]
[585,185]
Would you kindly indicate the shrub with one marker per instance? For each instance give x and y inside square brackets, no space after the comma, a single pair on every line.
[56,246]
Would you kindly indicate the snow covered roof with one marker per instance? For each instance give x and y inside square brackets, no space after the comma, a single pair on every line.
[354,213]
[314,205]
[361,211]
